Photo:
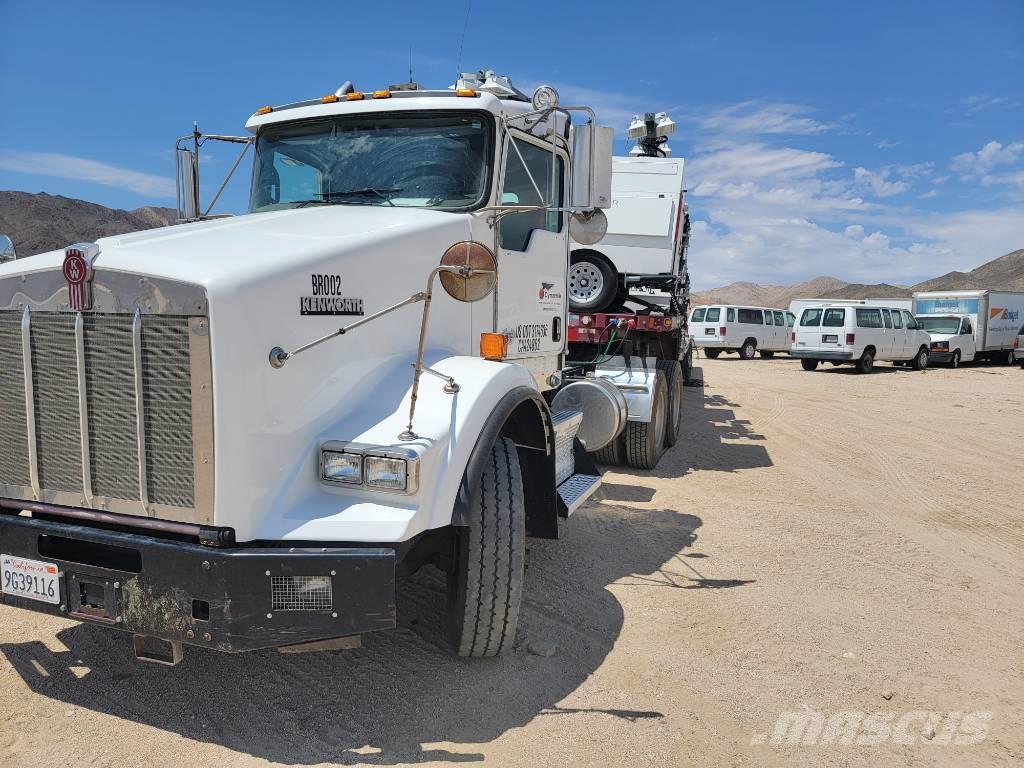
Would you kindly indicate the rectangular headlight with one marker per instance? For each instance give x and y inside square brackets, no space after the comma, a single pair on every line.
[342,467]
[382,472]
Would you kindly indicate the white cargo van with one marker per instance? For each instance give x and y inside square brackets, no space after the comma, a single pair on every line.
[952,338]
[746,330]
[995,317]
[859,335]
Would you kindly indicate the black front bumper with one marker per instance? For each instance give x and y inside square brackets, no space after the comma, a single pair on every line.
[939,356]
[233,600]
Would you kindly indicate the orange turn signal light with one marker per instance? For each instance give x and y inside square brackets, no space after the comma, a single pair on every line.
[382,94]
[465,92]
[264,110]
[330,98]
[493,346]
[354,96]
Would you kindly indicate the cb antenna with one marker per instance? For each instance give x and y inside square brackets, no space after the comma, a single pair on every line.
[462,39]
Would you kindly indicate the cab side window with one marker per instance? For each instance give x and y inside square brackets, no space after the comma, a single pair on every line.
[519,189]
[912,323]
[966,327]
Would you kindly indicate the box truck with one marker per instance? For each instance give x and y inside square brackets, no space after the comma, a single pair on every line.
[995,318]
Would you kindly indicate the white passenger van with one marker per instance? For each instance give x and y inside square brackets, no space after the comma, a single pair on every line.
[746,330]
[859,335]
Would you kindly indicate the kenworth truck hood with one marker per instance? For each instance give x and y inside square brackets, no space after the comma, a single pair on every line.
[262,273]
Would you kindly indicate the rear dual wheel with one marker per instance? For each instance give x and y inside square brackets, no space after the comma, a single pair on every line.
[645,441]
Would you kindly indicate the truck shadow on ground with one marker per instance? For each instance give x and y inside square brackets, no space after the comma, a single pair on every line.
[397,697]
[708,422]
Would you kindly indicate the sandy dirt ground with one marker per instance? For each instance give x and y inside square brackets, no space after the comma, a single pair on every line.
[818,543]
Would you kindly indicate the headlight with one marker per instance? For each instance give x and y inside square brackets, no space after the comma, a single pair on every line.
[342,467]
[389,474]
[940,345]
[392,469]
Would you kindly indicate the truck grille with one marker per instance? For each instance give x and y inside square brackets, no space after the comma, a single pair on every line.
[146,440]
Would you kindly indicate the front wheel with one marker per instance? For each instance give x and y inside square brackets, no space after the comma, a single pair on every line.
[954,362]
[712,354]
[809,365]
[866,364]
[920,362]
[485,579]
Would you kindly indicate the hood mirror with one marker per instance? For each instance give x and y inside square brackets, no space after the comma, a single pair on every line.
[588,227]
[7,252]
[472,271]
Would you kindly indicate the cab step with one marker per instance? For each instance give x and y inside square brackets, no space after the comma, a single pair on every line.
[575,491]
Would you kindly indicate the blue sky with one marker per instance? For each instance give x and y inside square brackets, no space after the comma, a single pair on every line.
[873,141]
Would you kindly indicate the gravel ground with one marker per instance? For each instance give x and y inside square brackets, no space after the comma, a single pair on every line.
[818,543]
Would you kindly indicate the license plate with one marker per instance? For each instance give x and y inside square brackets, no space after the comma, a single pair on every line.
[709,331]
[33,579]
[830,337]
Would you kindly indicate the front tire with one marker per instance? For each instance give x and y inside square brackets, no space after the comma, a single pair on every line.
[921,361]
[485,581]
[808,365]
[593,283]
[645,441]
[954,361]
[712,354]
[866,364]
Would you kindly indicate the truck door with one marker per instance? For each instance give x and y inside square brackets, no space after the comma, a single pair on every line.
[887,349]
[968,347]
[901,341]
[533,253]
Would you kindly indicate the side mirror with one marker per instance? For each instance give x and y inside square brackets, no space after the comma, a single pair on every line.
[7,252]
[592,166]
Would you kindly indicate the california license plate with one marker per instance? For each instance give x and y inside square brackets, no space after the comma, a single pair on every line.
[830,338]
[33,579]
[709,331]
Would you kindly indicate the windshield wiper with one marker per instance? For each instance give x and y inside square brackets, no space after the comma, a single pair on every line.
[383,193]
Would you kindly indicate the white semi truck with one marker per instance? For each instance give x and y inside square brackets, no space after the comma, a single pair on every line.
[970,325]
[235,432]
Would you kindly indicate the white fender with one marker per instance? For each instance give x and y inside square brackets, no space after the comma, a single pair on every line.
[447,426]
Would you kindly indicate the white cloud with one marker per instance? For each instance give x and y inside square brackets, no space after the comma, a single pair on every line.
[983,101]
[886,144]
[988,157]
[84,169]
[878,182]
[930,194]
[755,118]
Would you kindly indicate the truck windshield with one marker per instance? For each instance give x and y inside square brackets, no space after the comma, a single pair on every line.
[949,325]
[430,160]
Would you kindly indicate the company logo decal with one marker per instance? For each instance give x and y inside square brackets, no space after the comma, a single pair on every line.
[550,295]
[327,298]
[78,272]
[1003,314]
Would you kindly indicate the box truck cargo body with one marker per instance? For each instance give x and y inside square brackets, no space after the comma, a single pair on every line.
[996,316]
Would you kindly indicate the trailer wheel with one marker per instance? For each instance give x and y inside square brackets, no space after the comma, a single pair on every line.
[712,354]
[613,454]
[688,364]
[674,389]
[920,362]
[645,441]
[593,283]
[808,365]
[485,582]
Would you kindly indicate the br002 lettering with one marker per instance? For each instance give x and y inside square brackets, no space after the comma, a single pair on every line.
[326,285]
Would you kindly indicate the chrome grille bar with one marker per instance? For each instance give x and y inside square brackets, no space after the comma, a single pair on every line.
[30,406]
[83,408]
[140,409]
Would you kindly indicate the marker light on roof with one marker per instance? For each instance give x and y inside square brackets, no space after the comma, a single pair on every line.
[264,110]
[382,94]
[330,98]
[354,96]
